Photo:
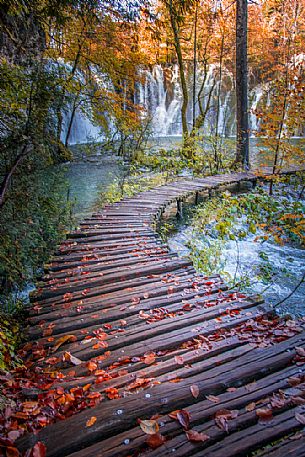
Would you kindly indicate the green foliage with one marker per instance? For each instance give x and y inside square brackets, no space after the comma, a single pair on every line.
[233,217]
[279,219]
[9,340]
[129,185]
[32,222]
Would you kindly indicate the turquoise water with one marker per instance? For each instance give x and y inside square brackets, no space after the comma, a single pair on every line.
[86,180]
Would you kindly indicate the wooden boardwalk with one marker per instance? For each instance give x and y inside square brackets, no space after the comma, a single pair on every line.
[136,328]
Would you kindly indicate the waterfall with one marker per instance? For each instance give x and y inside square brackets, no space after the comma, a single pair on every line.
[159,92]
[82,130]
[160,95]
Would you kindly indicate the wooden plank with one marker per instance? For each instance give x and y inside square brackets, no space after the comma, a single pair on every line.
[75,435]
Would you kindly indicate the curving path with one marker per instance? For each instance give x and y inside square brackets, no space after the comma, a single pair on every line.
[121,317]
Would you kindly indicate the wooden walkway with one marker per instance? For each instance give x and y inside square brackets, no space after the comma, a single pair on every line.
[135,330]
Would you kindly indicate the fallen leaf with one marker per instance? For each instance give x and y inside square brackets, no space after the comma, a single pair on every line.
[294,381]
[222,417]
[155,441]
[300,351]
[250,407]
[112,393]
[213,398]
[150,427]
[150,358]
[11,451]
[183,418]
[91,421]
[91,366]
[39,450]
[264,414]
[196,437]
[68,357]
[62,340]
[195,390]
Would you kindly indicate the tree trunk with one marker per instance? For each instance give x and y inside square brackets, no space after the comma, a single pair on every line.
[178,49]
[242,120]
[195,67]
[71,121]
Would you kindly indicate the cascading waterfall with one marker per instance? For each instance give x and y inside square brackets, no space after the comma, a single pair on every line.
[159,93]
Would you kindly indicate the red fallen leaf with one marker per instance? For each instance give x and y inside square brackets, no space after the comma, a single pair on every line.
[294,381]
[170,290]
[11,451]
[52,360]
[112,393]
[62,340]
[264,414]
[100,345]
[155,441]
[300,351]
[213,398]
[179,360]
[150,358]
[39,450]
[222,416]
[49,330]
[139,382]
[196,437]
[183,418]
[108,326]
[300,418]
[195,390]
[173,414]
[91,421]
[91,366]
[187,306]
[144,315]
[68,296]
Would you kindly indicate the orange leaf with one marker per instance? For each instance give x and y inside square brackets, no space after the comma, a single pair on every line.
[62,340]
[150,427]
[91,421]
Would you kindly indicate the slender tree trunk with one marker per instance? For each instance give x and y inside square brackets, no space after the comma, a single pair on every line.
[195,66]
[242,117]
[178,49]
[216,158]
[74,107]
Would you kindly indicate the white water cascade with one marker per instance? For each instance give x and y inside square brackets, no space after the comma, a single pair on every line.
[160,94]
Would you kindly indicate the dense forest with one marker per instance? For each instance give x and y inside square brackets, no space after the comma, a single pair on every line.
[162,90]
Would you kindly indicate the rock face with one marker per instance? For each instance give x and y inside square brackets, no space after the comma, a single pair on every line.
[21,37]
